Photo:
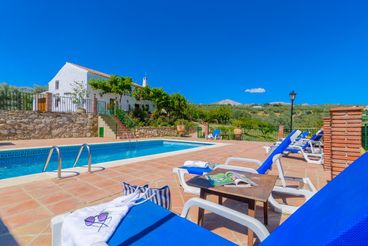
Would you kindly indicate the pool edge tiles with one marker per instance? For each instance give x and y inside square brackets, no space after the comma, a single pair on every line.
[118,141]
[6,182]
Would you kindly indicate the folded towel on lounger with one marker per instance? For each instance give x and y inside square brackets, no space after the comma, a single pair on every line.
[201,164]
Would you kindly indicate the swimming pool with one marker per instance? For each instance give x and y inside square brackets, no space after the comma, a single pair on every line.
[19,162]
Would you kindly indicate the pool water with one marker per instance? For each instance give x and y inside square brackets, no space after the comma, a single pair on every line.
[14,163]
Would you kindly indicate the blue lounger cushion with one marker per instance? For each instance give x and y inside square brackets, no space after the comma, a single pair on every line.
[336,215]
[150,224]
[197,170]
[267,164]
[291,150]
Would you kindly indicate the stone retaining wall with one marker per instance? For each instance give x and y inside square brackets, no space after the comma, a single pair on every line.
[147,132]
[36,125]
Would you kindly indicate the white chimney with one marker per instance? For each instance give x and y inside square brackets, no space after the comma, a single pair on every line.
[144,82]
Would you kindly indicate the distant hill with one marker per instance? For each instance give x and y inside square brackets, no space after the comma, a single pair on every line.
[228,102]
[279,103]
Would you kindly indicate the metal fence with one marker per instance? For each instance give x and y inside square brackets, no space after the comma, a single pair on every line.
[365,130]
[256,134]
[102,108]
[70,104]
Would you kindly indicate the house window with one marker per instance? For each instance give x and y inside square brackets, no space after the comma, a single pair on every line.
[57,85]
[57,102]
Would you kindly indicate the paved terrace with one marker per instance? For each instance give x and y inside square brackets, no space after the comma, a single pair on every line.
[26,210]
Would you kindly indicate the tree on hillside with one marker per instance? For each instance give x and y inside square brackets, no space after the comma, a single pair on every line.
[5,87]
[178,106]
[12,97]
[115,85]
[37,89]
[220,114]
[142,93]
[161,99]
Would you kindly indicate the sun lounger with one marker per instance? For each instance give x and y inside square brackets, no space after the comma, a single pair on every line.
[215,134]
[311,149]
[273,158]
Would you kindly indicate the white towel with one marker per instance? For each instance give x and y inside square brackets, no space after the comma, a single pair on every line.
[202,164]
[76,232]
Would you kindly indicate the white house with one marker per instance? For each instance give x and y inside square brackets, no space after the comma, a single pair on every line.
[61,85]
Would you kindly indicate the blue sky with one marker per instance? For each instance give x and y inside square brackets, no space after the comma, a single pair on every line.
[207,50]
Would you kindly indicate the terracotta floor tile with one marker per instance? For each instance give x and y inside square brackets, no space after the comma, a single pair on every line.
[13,198]
[21,219]
[93,196]
[32,228]
[9,191]
[41,240]
[20,207]
[113,189]
[81,189]
[38,184]
[53,198]
[105,182]
[41,192]
[65,206]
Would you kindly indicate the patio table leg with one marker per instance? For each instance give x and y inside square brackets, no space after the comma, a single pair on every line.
[220,200]
[252,213]
[265,213]
[202,195]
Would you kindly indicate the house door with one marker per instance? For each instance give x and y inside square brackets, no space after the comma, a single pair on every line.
[41,104]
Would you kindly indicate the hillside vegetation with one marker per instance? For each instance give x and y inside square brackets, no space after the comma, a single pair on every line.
[260,122]
[305,116]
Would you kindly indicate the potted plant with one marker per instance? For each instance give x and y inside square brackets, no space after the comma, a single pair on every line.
[237,130]
[79,96]
[180,126]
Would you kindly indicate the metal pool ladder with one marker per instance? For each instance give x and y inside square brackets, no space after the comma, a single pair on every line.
[56,148]
[130,138]
[89,156]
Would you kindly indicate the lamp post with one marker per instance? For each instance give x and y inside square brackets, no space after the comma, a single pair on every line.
[292,98]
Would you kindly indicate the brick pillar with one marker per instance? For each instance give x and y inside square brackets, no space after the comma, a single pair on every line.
[327,143]
[94,106]
[48,102]
[346,137]
[281,132]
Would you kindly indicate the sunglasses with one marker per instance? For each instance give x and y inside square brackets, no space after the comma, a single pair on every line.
[100,222]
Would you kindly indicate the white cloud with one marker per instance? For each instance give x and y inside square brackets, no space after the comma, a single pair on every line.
[255,90]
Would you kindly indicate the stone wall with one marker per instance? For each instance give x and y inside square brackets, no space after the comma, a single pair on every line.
[36,125]
[147,132]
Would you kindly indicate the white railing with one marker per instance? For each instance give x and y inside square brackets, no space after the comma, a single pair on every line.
[69,104]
